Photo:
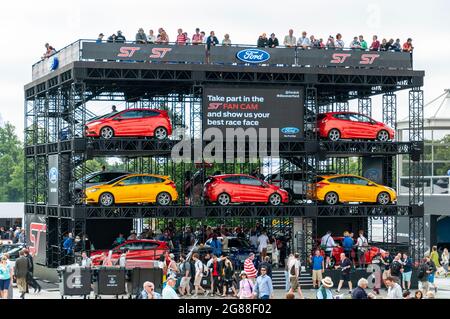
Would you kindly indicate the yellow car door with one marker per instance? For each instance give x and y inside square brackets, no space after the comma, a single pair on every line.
[363,192]
[128,190]
[341,187]
[152,186]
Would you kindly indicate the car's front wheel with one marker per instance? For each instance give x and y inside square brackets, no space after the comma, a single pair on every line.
[275,199]
[383,198]
[383,136]
[106,199]
[331,198]
[107,133]
[163,199]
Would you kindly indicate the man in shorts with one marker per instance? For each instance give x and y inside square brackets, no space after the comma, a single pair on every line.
[199,269]
[294,273]
[318,267]
[185,272]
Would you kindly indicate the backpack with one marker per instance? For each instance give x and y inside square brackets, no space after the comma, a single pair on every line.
[292,271]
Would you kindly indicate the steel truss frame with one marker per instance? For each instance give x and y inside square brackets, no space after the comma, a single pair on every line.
[58,102]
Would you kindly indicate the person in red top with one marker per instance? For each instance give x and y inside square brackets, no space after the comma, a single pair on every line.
[197,38]
[216,272]
[375,46]
[181,37]
[407,46]
[249,268]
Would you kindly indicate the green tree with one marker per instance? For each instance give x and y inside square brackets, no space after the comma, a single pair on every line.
[11,165]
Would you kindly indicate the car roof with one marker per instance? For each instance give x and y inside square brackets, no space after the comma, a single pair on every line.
[142,109]
[153,175]
[341,112]
[340,175]
[231,175]
[144,241]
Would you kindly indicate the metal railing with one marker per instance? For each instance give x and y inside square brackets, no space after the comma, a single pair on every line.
[73,52]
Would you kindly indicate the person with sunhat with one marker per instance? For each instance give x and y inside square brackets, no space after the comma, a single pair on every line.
[324,292]
[169,290]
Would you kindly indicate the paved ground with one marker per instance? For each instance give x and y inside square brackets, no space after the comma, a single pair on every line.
[51,291]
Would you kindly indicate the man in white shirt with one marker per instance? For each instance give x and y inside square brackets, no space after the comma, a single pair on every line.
[198,265]
[169,290]
[327,243]
[304,41]
[85,261]
[394,289]
[263,241]
[289,40]
[362,245]
[294,273]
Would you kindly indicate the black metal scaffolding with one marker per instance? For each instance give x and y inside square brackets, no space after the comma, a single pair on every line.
[57,106]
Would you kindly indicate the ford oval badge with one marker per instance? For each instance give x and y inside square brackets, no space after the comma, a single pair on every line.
[253,56]
[290,130]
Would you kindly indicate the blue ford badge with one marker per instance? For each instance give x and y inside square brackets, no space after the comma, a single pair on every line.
[253,56]
[53,175]
[290,130]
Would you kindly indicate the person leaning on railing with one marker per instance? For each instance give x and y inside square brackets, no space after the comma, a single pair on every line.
[141,38]
[49,51]
[226,40]
[273,41]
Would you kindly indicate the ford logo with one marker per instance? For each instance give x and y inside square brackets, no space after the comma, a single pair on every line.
[253,56]
[53,175]
[290,130]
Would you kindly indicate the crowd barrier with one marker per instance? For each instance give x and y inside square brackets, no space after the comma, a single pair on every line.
[106,281]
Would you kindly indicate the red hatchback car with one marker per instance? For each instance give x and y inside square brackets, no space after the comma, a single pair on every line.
[139,252]
[239,188]
[131,122]
[349,125]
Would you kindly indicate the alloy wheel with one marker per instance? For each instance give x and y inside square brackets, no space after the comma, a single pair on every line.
[107,133]
[164,199]
[223,199]
[383,136]
[106,199]
[334,135]
[160,133]
[331,198]
[275,199]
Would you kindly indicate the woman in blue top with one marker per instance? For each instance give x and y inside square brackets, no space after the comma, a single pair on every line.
[406,271]
[5,277]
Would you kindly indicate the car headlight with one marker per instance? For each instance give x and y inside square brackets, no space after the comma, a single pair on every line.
[93,190]
[93,123]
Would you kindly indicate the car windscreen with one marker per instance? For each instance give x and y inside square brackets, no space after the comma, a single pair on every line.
[114,180]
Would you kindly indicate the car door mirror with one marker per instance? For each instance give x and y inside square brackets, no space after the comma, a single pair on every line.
[370,184]
[117,119]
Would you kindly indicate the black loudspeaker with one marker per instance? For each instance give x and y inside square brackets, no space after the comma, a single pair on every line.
[416,151]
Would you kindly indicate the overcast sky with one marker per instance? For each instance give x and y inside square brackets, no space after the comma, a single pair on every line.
[27,25]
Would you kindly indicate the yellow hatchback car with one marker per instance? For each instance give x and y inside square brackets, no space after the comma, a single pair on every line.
[334,189]
[134,188]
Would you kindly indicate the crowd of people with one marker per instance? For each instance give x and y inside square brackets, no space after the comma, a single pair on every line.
[15,234]
[304,41]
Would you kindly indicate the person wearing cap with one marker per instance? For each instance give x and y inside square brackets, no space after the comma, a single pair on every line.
[324,292]
[169,290]
[120,37]
[141,38]
[246,287]
[100,38]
